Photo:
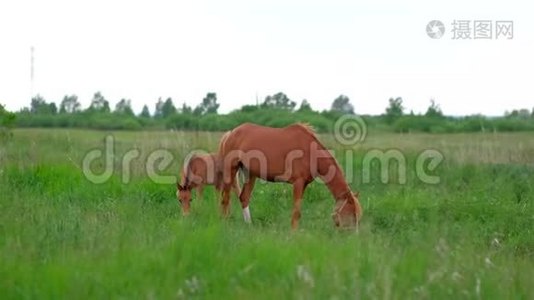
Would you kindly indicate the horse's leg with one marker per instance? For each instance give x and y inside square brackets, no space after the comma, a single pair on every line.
[225,202]
[244,197]
[225,180]
[298,191]
[199,192]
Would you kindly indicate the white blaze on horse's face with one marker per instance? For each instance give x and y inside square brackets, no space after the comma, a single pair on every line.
[246,214]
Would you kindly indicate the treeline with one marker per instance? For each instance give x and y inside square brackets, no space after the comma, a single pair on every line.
[275,110]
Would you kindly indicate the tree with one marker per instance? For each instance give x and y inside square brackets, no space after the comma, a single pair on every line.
[145,113]
[394,110]
[52,108]
[209,105]
[249,108]
[124,107]
[39,106]
[158,110]
[342,105]
[434,111]
[7,119]
[186,109]
[305,106]
[280,101]
[69,105]
[522,113]
[164,109]
[99,104]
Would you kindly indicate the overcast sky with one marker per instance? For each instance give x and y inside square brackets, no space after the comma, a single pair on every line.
[314,50]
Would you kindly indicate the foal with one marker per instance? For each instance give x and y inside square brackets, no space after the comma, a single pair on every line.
[198,171]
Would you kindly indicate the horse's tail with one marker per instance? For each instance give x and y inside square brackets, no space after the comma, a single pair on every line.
[358,209]
[222,143]
[225,167]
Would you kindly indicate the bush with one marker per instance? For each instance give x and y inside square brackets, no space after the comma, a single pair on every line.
[7,120]
[321,121]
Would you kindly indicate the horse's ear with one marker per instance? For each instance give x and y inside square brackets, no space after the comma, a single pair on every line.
[356,194]
[179,187]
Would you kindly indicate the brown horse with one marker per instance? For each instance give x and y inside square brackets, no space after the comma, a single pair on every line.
[198,171]
[292,154]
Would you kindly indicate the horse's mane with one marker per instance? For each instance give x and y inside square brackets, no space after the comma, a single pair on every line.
[306,126]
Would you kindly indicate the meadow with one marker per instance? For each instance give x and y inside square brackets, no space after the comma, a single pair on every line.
[470,236]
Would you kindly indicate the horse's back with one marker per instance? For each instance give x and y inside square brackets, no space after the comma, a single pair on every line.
[249,136]
[264,150]
[204,167]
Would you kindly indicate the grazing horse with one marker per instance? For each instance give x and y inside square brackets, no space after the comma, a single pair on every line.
[292,154]
[198,171]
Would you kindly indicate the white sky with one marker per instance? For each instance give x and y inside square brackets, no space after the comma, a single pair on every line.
[369,51]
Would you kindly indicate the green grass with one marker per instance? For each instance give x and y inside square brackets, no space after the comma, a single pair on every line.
[61,236]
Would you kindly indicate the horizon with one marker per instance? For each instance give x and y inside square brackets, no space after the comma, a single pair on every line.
[406,111]
[315,50]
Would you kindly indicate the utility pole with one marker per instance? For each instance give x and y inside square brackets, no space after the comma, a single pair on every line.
[31,72]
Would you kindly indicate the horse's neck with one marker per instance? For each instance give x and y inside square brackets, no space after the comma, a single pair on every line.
[334,180]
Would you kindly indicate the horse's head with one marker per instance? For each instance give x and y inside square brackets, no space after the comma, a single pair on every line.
[347,212]
[183,194]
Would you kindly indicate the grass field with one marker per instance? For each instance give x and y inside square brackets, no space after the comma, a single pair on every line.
[469,237]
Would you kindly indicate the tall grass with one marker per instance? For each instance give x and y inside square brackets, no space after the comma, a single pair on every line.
[61,236]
